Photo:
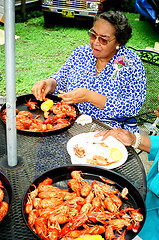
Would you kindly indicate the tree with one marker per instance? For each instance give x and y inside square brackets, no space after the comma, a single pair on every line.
[23,9]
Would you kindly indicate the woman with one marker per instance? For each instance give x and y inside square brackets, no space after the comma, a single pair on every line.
[105,78]
[149,144]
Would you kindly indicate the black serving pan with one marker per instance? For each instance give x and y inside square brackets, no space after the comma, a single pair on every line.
[21,102]
[61,175]
[8,193]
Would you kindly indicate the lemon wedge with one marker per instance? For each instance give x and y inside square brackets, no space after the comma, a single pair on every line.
[91,237]
[45,106]
[116,154]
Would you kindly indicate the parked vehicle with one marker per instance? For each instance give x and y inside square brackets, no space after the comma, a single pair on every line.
[75,9]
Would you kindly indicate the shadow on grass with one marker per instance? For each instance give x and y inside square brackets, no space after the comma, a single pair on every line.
[67,22]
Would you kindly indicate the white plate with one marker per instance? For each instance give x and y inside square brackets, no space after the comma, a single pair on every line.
[87,141]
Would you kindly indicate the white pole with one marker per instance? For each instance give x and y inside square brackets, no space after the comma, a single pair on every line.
[9,25]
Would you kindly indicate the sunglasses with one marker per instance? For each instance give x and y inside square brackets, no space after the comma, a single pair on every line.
[102,40]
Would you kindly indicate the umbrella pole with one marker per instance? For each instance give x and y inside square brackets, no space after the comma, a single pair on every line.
[9,24]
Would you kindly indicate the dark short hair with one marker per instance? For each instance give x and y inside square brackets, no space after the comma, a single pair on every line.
[120,22]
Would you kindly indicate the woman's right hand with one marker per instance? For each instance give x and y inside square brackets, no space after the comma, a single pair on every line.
[124,136]
[41,88]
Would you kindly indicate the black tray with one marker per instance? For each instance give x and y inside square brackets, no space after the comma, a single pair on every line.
[21,102]
[61,175]
[8,193]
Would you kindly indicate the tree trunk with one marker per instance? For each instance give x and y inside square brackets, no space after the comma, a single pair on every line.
[23,10]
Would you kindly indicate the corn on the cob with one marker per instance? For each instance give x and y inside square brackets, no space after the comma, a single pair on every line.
[91,237]
[45,106]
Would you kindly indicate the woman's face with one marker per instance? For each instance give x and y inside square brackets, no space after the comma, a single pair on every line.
[105,30]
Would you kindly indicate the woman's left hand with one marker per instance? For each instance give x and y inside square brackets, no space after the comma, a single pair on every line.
[78,95]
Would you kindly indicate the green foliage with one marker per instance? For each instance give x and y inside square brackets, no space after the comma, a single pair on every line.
[128,6]
[29,15]
[123,5]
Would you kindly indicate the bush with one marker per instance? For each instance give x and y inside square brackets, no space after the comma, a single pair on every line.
[129,6]
[124,5]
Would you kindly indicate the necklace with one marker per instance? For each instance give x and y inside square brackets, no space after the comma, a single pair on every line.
[97,70]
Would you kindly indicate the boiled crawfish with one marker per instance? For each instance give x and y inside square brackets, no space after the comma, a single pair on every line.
[32,105]
[82,209]
[63,116]
[3,205]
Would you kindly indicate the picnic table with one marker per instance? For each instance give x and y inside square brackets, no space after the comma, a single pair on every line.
[37,155]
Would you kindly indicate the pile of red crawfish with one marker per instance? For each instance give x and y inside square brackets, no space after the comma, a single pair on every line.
[3,205]
[63,115]
[82,209]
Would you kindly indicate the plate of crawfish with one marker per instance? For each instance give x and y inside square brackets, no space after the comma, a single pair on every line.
[31,120]
[85,148]
[80,200]
[5,197]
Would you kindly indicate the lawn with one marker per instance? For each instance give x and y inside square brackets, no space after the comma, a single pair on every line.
[40,51]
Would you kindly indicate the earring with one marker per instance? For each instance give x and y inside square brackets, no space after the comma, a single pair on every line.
[117,47]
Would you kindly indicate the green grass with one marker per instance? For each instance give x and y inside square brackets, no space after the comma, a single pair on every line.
[144,33]
[40,51]
[151,102]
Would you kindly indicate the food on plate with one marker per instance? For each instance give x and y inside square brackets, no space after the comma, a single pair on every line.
[62,117]
[45,106]
[81,210]
[79,151]
[3,205]
[32,105]
[116,154]
[3,114]
[63,109]
[109,153]
[101,144]
[124,193]
[25,121]
[98,153]
[91,237]
[100,161]
[84,119]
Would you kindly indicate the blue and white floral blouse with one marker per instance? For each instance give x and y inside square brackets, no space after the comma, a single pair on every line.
[125,87]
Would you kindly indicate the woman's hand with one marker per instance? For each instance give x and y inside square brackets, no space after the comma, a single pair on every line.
[79,95]
[42,88]
[75,96]
[124,136]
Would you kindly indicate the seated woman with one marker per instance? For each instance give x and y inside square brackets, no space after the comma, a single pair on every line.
[149,144]
[105,79]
